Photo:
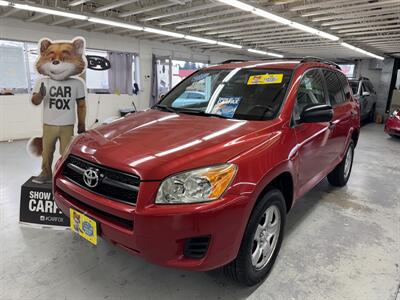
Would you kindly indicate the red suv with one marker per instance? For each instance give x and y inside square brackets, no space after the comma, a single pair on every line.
[205,183]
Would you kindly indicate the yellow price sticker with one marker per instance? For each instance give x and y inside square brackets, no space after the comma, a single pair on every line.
[83,225]
[265,79]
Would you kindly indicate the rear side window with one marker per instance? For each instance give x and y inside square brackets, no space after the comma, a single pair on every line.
[311,92]
[334,88]
[346,86]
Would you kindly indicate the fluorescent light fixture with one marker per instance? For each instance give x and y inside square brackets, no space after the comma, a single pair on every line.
[114,23]
[265,53]
[257,51]
[50,11]
[362,51]
[313,31]
[238,4]
[272,17]
[275,54]
[4,3]
[163,32]
[199,39]
[230,45]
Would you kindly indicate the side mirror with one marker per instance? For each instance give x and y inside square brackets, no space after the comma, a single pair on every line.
[316,113]
[366,93]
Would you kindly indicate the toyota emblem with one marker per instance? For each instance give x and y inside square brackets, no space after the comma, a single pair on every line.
[91,178]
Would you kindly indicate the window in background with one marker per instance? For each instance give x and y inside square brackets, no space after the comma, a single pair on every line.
[348,69]
[13,67]
[182,69]
[32,55]
[97,80]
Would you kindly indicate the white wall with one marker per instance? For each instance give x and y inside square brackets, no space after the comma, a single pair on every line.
[19,119]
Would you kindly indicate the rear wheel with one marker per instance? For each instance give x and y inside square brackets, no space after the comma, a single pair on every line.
[261,241]
[341,174]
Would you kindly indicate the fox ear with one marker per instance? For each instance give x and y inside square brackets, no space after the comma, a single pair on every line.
[79,45]
[44,44]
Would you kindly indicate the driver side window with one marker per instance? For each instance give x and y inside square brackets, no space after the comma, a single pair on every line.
[311,91]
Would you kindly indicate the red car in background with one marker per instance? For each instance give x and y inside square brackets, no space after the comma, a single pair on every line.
[201,185]
[392,125]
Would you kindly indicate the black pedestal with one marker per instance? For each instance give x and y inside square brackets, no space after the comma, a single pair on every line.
[37,206]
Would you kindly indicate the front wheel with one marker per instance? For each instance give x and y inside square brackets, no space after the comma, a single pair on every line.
[341,174]
[261,241]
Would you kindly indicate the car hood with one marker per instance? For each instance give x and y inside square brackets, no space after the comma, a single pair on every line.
[155,144]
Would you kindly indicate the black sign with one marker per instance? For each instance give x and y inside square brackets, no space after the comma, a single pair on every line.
[38,206]
[98,63]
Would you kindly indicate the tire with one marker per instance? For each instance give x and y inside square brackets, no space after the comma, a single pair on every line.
[242,269]
[341,174]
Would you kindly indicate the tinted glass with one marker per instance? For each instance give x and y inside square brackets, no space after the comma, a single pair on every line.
[334,87]
[311,92]
[250,94]
[345,86]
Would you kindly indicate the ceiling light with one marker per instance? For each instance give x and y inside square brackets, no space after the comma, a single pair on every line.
[230,45]
[362,51]
[257,51]
[265,53]
[164,32]
[114,23]
[275,54]
[313,31]
[4,3]
[238,4]
[198,39]
[50,11]
[268,15]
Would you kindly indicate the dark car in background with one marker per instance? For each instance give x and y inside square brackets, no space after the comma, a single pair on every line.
[365,93]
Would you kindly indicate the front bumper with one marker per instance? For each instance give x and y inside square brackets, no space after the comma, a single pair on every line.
[392,126]
[158,232]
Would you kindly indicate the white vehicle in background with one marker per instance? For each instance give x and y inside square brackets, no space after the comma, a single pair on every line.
[365,93]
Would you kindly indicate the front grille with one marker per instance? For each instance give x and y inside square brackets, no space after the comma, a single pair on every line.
[128,224]
[113,184]
[196,247]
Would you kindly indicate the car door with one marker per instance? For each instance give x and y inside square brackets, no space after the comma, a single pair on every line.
[339,96]
[364,99]
[312,138]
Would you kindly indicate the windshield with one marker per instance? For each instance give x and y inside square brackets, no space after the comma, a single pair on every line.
[249,94]
[354,87]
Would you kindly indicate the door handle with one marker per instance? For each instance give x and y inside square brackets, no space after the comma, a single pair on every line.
[332,125]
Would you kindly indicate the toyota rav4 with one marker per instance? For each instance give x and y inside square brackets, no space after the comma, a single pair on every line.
[204,184]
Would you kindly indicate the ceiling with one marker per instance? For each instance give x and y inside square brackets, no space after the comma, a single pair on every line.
[373,25]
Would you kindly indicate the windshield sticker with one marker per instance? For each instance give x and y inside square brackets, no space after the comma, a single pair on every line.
[226,106]
[265,79]
[199,77]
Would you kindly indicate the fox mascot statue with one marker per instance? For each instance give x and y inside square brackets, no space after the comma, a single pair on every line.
[62,93]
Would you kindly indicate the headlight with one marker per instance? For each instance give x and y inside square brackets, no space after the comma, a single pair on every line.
[201,185]
[396,114]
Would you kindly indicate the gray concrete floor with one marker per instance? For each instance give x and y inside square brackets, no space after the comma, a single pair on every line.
[339,244]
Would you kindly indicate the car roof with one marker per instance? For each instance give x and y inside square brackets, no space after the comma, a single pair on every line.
[271,64]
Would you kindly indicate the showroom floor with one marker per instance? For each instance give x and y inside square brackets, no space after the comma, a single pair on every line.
[339,244]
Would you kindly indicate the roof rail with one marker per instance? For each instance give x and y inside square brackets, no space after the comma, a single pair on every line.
[320,60]
[229,61]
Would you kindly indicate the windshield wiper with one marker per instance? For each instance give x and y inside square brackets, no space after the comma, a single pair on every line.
[201,113]
[166,108]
